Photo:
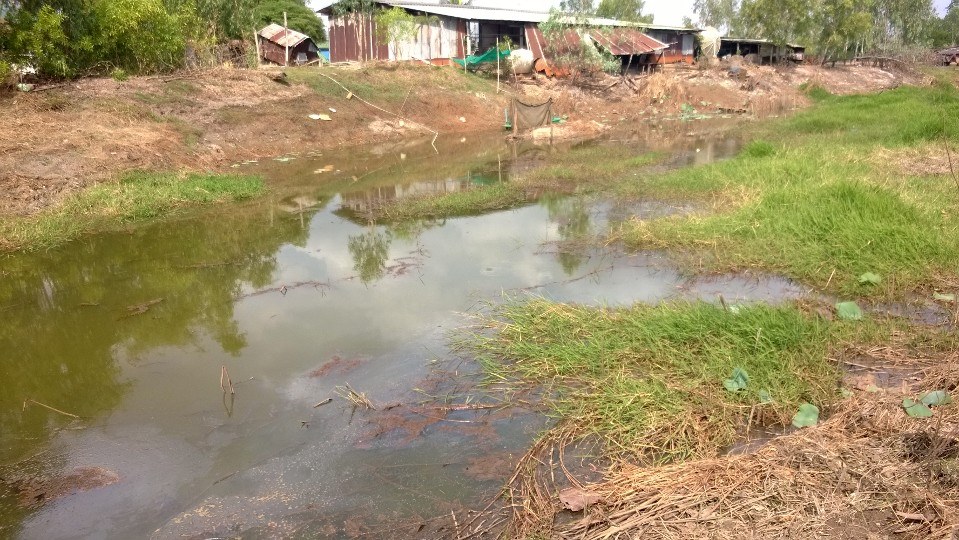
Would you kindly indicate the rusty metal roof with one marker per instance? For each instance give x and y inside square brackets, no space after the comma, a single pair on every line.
[282,36]
[626,41]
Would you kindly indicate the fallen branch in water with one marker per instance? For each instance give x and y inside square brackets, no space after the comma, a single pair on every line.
[35,402]
[225,375]
[140,309]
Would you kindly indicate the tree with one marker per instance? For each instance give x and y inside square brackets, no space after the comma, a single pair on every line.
[844,25]
[780,21]
[720,14]
[944,31]
[394,26]
[624,10]
[299,17]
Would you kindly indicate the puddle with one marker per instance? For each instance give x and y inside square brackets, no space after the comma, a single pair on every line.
[297,298]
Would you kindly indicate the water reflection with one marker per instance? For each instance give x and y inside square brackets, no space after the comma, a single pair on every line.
[370,250]
[572,218]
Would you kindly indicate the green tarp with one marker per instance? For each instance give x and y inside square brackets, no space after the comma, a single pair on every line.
[486,57]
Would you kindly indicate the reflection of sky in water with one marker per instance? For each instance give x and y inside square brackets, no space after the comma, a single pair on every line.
[190,460]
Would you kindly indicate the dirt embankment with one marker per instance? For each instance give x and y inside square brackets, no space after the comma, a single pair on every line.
[60,140]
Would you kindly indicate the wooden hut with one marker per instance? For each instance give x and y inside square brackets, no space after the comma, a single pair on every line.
[284,46]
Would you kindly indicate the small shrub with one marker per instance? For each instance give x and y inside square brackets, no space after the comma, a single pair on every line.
[6,74]
[814,91]
[119,74]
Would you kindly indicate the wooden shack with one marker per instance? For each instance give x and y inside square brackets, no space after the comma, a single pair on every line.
[276,42]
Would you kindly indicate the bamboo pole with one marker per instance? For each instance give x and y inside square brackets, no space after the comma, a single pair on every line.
[497,64]
[256,41]
[286,40]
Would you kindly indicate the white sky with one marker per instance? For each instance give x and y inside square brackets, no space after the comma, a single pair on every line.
[669,12]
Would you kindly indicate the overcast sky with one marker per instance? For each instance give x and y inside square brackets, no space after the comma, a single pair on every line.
[669,12]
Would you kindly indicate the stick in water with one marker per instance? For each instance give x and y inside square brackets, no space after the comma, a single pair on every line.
[35,402]
[225,375]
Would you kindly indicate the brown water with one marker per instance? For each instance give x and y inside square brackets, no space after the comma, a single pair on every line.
[296,296]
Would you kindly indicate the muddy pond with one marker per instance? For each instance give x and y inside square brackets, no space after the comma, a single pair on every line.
[113,349]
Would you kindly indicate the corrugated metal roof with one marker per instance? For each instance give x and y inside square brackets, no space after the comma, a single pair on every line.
[479,13]
[283,37]
[626,41]
[472,12]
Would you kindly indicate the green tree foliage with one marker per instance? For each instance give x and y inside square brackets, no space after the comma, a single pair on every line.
[299,17]
[66,38]
[625,10]
[394,25]
[782,21]
[944,31]
[720,14]
[842,24]
[831,28]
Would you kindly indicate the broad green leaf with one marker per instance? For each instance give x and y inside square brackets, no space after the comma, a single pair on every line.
[944,297]
[846,393]
[870,278]
[737,381]
[765,396]
[916,409]
[807,416]
[936,398]
[849,311]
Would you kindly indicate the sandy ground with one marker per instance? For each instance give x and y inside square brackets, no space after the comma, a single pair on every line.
[57,141]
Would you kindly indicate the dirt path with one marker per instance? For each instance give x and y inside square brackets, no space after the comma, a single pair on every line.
[58,141]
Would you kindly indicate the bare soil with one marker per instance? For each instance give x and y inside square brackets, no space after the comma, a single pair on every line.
[56,141]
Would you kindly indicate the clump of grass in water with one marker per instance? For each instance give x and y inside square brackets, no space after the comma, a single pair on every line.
[649,379]
[137,196]
[461,203]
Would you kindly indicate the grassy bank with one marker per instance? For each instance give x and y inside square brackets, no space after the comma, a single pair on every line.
[810,201]
[584,169]
[135,197]
[649,380]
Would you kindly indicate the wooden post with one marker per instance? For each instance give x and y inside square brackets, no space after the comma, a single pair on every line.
[515,118]
[286,39]
[497,64]
[256,41]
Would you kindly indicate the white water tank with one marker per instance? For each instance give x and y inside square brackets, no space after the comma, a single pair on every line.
[709,41]
[522,61]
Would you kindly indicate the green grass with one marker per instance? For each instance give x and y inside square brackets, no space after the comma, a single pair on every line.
[137,196]
[388,85]
[808,202]
[649,379]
